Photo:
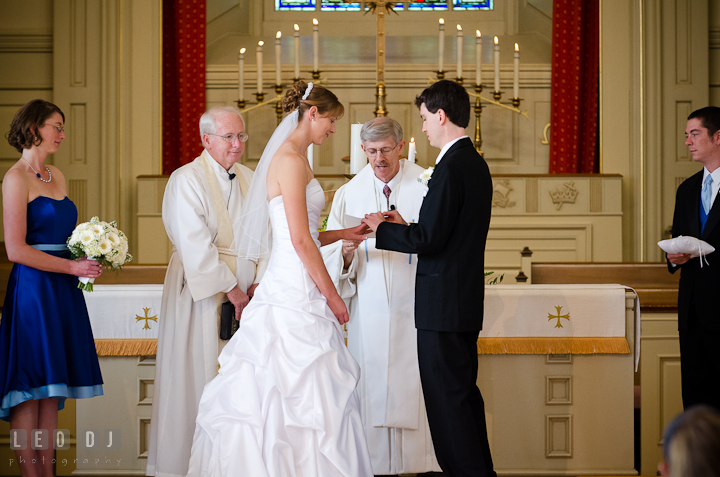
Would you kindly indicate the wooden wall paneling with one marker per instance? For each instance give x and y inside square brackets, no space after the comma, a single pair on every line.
[660,380]
[685,88]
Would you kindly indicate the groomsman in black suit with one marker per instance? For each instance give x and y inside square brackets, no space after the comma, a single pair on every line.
[697,214]
[449,239]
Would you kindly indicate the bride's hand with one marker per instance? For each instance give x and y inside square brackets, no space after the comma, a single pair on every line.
[337,306]
[358,233]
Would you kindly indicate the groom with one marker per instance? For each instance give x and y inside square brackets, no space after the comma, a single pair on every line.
[449,239]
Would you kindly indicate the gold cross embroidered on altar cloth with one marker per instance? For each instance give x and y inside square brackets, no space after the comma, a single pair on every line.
[146,318]
[558,316]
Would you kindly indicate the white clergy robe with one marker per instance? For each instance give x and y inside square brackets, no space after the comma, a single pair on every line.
[188,328]
[380,289]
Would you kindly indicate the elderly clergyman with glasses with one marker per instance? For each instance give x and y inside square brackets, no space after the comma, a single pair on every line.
[380,288]
[202,201]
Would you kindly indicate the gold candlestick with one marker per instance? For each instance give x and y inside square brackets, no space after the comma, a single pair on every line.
[260,97]
[380,100]
[497,95]
[478,111]
[315,75]
[516,102]
[295,80]
[240,104]
[440,75]
[278,106]
[459,80]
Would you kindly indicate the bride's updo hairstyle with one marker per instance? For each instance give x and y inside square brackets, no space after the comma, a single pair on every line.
[322,98]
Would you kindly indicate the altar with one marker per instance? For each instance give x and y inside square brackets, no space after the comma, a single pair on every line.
[558,399]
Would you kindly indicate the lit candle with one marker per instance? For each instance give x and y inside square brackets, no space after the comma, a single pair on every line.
[259,66]
[241,74]
[459,51]
[412,152]
[297,51]
[358,159]
[516,80]
[277,58]
[497,65]
[441,43]
[316,49]
[478,56]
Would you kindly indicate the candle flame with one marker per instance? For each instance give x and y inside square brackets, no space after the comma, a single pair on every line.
[412,139]
[315,22]
[442,22]
[496,40]
[477,33]
[297,28]
[278,35]
[261,43]
[242,51]
[517,48]
[459,28]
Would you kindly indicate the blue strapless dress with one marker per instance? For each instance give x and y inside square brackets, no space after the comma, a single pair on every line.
[47,348]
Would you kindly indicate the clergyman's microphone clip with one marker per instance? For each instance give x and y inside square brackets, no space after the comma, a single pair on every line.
[392,207]
[231,175]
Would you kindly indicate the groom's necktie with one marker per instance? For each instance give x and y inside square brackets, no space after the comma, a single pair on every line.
[386,191]
[706,198]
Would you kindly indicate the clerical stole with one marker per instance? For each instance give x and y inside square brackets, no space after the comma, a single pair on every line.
[225,234]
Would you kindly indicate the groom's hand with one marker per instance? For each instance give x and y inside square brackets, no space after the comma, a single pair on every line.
[373,220]
[394,217]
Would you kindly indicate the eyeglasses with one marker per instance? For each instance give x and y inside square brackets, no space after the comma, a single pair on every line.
[58,128]
[383,152]
[228,138]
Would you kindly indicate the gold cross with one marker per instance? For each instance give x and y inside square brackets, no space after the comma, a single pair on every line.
[146,318]
[558,316]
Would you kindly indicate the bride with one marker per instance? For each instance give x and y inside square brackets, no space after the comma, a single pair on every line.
[285,402]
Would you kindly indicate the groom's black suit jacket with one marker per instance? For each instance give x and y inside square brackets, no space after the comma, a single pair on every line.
[449,239]
[698,285]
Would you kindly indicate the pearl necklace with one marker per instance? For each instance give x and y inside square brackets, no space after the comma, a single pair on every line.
[37,174]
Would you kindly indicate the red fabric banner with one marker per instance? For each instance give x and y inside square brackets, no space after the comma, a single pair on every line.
[183,76]
[575,87]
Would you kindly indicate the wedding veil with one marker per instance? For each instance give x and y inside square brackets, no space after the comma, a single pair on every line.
[252,231]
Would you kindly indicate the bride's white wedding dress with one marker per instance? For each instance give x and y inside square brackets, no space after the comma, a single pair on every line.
[284,402]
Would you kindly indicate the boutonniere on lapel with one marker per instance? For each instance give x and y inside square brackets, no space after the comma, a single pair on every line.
[426,175]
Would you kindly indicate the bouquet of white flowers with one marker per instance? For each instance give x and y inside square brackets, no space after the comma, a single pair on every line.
[99,241]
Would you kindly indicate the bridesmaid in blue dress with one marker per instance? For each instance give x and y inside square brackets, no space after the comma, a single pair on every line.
[47,351]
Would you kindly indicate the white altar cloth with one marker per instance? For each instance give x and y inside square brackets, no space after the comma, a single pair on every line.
[556,319]
[124,318]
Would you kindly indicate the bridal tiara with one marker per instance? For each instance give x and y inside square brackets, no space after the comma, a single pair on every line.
[307,91]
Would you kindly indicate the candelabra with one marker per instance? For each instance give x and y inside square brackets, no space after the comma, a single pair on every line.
[440,75]
[240,104]
[459,80]
[315,75]
[479,106]
[260,96]
[278,106]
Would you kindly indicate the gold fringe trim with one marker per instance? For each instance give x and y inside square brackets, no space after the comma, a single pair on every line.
[553,346]
[126,347]
[147,347]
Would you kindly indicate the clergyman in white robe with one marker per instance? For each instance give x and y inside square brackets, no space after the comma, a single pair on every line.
[188,337]
[380,289]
